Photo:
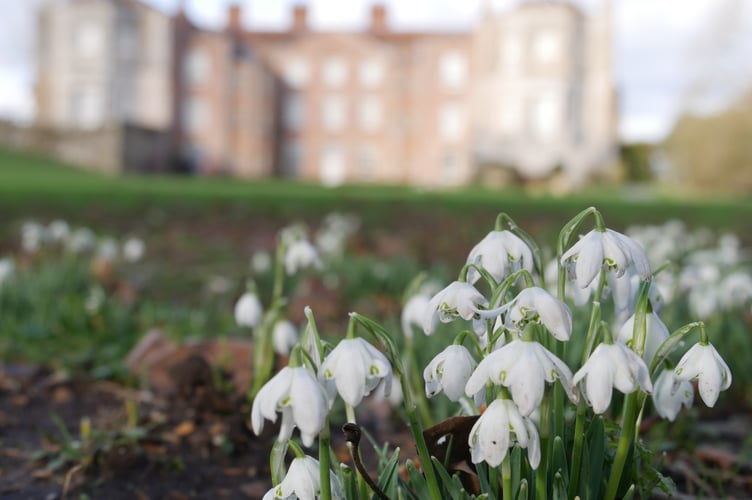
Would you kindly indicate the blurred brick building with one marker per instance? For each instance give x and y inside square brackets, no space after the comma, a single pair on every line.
[526,92]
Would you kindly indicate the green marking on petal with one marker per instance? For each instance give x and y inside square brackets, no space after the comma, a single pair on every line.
[374,370]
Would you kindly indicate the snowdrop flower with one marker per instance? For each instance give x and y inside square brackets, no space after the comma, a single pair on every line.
[735,290]
[107,249]
[704,364]
[413,313]
[81,240]
[58,230]
[94,299]
[133,249]
[7,269]
[449,371]
[395,398]
[297,394]
[604,250]
[522,366]
[284,337]
[670,394]
[703,302]
[248,310]
[303,481]
[500,253]
[609,366]
[32,236]
[261,262]
[536,305]
[459,299]
[301,254]
[656,333]
[355,367]
[498,429]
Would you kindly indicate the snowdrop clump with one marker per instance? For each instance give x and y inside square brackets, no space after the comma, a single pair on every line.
[525,372]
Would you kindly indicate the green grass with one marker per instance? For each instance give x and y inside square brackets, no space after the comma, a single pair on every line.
[30,181]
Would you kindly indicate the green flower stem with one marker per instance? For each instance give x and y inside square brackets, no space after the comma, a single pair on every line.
[579,431]
[324,446]
[524,236]
[420,442]
[314,331]
[595,318]
[506,478]
[703,335]
[592,334]
[263,351]
[541,475]
[415,381]
[279,272]
[625,442]
[299,453]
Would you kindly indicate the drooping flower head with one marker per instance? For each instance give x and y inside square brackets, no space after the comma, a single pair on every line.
[301,254]
[498,429]
[536,305]
[500,253]
[524,367]
[355,368]
[248,310]
[449,371]
[604,250]
[656,333]
[459,299]
[284,337]
[414,313]
[609,366]
[704,364]
[296,393]
[670,394]
[303,481]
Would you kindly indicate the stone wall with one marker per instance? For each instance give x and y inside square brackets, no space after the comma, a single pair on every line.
[109,150]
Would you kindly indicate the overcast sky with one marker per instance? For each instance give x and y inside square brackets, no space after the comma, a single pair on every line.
[670,55]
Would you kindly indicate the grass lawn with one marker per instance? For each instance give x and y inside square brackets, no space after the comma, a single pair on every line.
[31,184]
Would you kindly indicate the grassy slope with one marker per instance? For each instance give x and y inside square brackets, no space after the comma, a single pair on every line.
[28,182]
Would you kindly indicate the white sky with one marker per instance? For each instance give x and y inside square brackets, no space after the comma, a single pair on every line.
[669,55]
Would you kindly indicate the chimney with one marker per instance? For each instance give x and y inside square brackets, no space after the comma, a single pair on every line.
[299,18]
[234,15]
[378,19]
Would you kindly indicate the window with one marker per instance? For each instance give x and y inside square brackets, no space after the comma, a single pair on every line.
[451,122]
[369,113]
[335,72]
[542,118]
[367,162]
[332,165]
[197,66]
[291,157]
[127,41]
[453,69]
[371,73]
[296,73]
[88,108]
[334,113]
[194,114]
[293,111]
[89,39]
[546,46]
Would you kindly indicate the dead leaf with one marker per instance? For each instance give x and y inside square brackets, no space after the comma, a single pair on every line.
[41,474]
[185,428]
